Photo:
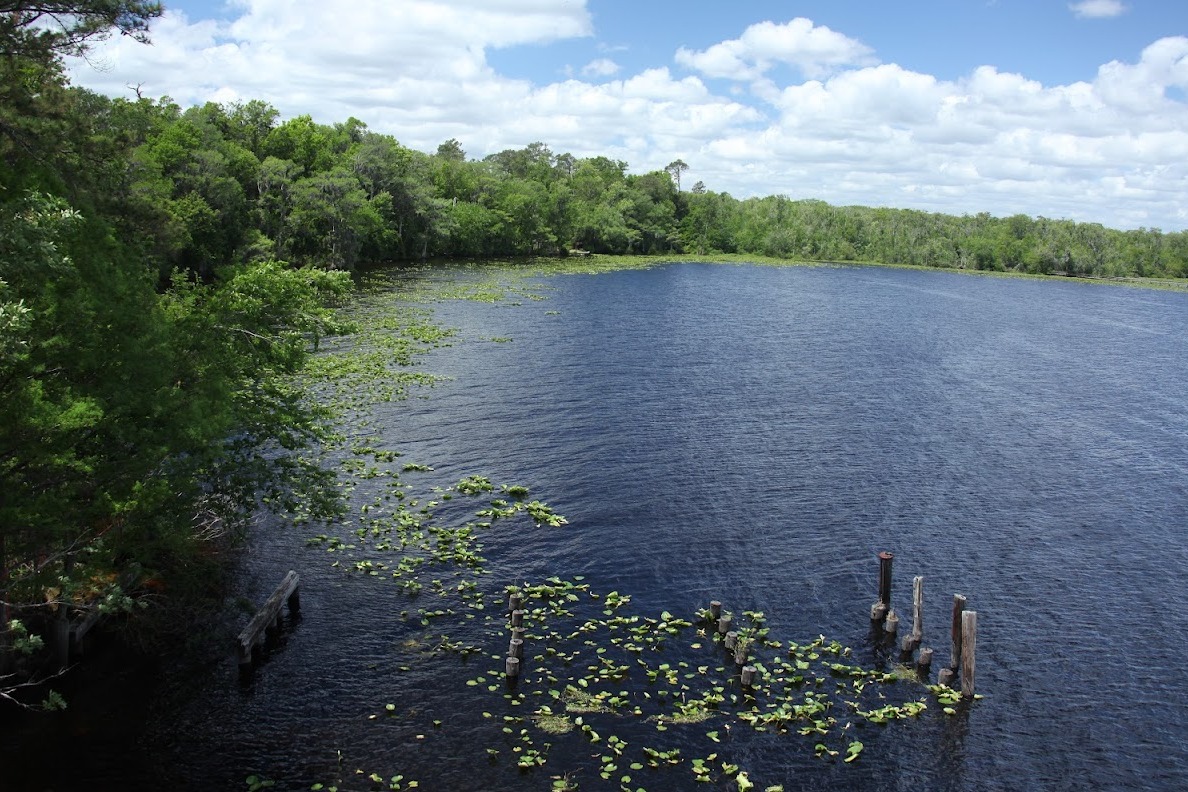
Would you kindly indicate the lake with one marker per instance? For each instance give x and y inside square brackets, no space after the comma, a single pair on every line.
[754,435]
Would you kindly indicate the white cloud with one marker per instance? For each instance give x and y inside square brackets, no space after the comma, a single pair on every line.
[1098,9]
[1113,149]
[814,49]
[602,67]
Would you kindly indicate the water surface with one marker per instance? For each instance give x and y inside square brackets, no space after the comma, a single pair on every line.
[756,435]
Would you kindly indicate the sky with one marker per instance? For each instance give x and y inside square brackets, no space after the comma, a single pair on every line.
[1071,109]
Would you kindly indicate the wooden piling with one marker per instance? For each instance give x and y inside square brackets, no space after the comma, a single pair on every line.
[955,654]
[918,608]
[891,625]
[515,647]
[911,641]
[741,649]
[514,601]
[969,640]
[268,615]
[724,624]
[731,640]
[517,617]
[715,610]
[885,560]
[946,676]
[511,667]
[924,662]
[748,676]
[878,612]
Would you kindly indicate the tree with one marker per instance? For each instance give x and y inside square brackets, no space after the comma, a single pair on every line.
[675,169]
[53,28]
[451,150]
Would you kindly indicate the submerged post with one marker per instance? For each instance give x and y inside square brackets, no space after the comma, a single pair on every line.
[969,640]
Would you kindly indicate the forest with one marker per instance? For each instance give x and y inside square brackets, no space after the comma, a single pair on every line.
[164,271]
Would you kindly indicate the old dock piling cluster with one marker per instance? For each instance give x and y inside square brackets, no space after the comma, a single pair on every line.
[515,647]
[732,641]
[885,627]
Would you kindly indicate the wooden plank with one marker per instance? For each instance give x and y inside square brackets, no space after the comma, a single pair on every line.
[266,616]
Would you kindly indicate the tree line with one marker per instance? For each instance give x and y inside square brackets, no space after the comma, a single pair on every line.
[232,183]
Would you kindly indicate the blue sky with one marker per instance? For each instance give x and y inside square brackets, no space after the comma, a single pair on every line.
[1075,109]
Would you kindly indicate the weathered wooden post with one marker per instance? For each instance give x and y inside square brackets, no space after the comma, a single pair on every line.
[517,617]
[955,654]
[969,640]
[715,610]
[882,606]
[515,648]
[924,662]
[891,626]
[511,667]
[724,624]
[514,601]
[731,640]
[748,676]
[741,647]
[912,642]
[878,612]
[885,560]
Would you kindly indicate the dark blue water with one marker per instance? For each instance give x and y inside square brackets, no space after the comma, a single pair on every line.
[756,435]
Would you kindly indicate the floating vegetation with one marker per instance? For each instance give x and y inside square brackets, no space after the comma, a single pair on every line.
[603,692]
